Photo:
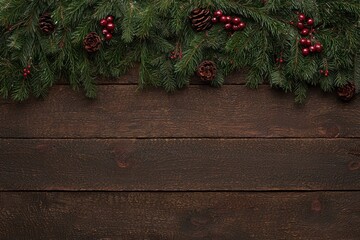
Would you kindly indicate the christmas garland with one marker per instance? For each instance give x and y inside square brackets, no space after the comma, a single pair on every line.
[294,44]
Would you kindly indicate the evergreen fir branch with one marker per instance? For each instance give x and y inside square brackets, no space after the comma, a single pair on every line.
[192,56]
[219,80]
[129,25]
[278,79]
[300,92]
[148,31]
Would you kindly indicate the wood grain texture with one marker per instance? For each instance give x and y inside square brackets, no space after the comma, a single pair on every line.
[180,164]
[156,216]
[201,111]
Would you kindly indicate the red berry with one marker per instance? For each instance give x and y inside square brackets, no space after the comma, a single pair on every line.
[228,26]
[110,19]
[281,60]
[318,47]
[303,41]
[326,73]
[277,60]
[223,19]
[292,23]
[214,20]
[228,19]
[312,49]
[25,70]
[242,25]
[105,31]
[103,22]
[110,26]
[300,25]
[28,66]
[235,27]
[310,22]
[308,42]
[302,17]
[108,37]
[321,71]
[218,13]
[305,32]
[236,20]
[25,74]
[305,52]
[28,71]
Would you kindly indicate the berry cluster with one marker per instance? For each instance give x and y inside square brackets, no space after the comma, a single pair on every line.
[324,72]
[109,27]
[307,30]
[280,59]
[231,23]
[176,55]
[26,71]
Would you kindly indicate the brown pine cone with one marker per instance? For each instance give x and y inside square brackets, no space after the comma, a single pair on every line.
[92,42]
[46,23]
[347,92]
[200,19]
[207,71]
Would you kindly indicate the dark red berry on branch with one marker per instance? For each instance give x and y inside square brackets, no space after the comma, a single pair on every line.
[242,25]
[300,25]
[223,19]
[110,26]
[218,13]
[110,19]
[235,28]
[108,37]
[310,22]
[303,41]
[305,32]
[318,47]
[105,31]
[228,26]
[103,22]
[302,17]
[305,52]
[236,20]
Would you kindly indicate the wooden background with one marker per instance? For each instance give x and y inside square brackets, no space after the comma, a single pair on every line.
[203,163]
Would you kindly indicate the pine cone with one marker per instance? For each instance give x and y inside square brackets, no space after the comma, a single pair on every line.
[92,42]
[46,23]
[200,19]
[347,92]
[207,71]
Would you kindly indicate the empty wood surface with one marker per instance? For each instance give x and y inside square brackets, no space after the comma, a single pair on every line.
[154,216]
[202,163]
[180,164]
[200,111]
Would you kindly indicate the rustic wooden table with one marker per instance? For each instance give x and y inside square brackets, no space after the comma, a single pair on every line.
[202,163]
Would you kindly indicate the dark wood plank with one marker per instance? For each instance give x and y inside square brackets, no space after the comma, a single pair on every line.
[156,216]
[151,165]
[200,111]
